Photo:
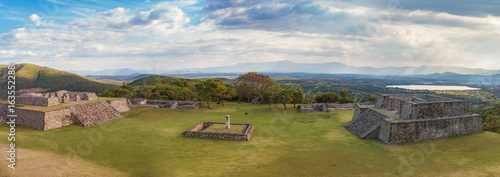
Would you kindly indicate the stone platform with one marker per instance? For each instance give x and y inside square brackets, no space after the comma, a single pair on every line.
[198,131]
[400,118]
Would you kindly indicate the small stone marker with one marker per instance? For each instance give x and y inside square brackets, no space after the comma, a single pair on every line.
[228,120]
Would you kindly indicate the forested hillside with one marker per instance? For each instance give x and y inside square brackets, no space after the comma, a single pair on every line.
[34,76]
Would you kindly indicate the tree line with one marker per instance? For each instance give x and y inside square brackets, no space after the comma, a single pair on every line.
[251,87]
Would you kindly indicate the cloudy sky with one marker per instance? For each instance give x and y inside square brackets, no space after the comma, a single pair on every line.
[167,35]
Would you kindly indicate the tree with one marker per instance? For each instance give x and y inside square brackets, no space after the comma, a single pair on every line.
[297,95]
[284,96]
[271,96]
[209,89]
[372,98]
[244,90]
[228,92]
[344,97]
[328,97]
[253,85]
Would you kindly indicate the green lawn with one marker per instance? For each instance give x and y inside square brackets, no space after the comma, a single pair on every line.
[149,142]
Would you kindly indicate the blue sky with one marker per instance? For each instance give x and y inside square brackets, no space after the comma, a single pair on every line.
[169,35]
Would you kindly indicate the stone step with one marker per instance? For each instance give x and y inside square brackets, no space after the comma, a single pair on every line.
[365,124]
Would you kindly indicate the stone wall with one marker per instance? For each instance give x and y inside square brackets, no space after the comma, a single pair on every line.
[317,107]
[120,105]
[196,132]
[38,101]
[137,101]
[416,130]
[172,104]
[58,118]
[83,95]
[31,119]
[390,101]
[429,110]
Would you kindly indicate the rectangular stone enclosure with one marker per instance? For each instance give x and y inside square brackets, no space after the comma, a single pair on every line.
[199,131]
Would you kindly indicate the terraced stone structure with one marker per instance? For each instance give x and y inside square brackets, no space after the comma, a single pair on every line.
[201,130]
[171,104]
[407,118]
[47,111]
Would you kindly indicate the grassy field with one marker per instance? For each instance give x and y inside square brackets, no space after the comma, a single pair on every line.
[148,142]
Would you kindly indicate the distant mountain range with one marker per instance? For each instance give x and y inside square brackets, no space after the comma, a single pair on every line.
[107,72]
[335,68]
[291,67]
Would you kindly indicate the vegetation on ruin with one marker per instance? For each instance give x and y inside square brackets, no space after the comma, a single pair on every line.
[149,142]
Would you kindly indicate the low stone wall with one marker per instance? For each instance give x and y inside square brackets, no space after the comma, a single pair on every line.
[416,130]
[197,132]
[31,119]
[429,110]
[318,107]
[83,95]
[38,101]
[120,105]
[172,104]
[137,101]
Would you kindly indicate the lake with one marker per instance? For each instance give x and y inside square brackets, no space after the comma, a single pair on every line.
[432,87]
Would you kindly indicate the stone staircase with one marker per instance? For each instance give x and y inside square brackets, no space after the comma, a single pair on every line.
[111,109]
[94,113]
[365,123]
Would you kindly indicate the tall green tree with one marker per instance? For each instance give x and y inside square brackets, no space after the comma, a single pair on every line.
[209,89]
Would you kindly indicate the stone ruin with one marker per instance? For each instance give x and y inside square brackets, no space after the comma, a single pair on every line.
[408,118]
[325,107]
[54,98]
[77,108]
[201,130]
[171,104]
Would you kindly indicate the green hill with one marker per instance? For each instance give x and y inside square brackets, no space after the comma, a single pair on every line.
[34,76]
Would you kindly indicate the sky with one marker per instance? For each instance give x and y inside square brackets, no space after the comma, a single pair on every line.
[170,35]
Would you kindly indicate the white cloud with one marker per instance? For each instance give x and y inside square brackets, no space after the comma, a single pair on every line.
[257,31]
[163,19]
[36,20]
